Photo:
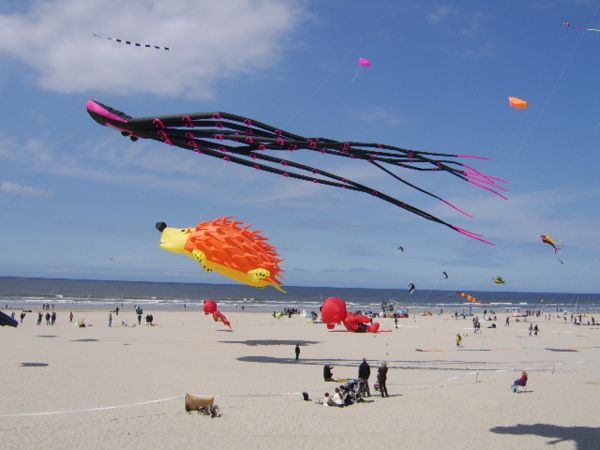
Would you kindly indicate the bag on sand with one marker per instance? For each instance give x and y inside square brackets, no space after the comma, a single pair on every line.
[195,403]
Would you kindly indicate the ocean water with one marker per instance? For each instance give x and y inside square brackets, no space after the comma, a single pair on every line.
[31,293]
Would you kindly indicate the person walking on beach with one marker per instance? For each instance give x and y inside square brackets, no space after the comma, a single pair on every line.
[71,316]
[364,372]
[382,378]
[53,318]
[110,319]
[297,351]
[39,321]
[535,330]
[507,323]
[458,339]
[22,316]
[530,329]
[47,318]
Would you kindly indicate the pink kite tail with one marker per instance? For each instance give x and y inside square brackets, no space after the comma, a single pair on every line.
[489,177]
[487,181]
[472,235]
[488,189]
[457,208]
[473,157]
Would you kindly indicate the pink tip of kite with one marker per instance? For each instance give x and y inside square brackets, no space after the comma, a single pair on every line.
[364,62]
[518,103]
[457,209]
[488,189]
[477,237]
[472,156]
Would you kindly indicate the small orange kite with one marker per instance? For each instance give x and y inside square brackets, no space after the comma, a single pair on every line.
[518,103]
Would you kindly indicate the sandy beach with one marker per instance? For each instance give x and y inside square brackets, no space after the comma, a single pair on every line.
[123,387]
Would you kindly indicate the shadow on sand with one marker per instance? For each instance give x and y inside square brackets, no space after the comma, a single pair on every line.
[256,342]
[452,366]
[585,438]
[34,364]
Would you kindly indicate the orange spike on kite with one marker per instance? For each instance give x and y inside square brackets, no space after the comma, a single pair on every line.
[518,103]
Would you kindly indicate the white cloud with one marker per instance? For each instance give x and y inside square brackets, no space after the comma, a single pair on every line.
[440,14]
[8,187]
[474,27]
[210,40]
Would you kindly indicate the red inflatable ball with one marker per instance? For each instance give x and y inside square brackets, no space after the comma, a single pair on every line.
[334,310]
[210,306]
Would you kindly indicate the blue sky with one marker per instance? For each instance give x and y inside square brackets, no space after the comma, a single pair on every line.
[78,200]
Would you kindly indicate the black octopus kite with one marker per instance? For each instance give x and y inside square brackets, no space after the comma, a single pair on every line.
[245,141]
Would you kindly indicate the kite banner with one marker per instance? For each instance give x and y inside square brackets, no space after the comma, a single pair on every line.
[241,140]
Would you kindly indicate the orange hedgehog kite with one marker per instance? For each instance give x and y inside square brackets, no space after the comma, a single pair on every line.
[224,246]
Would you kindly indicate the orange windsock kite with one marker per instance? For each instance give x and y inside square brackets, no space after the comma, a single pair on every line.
[518,103]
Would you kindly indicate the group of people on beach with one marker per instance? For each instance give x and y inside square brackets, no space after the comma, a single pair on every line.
[355,389]
[50,318]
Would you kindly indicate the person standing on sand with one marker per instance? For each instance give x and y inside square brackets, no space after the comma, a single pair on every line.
[297,351]
[71,316]
[110,319]
[382,378]
[507,323]
[458,339]
[364,372]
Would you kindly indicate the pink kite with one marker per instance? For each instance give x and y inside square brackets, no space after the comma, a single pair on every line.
[334,311]
[364,62]
[210,307]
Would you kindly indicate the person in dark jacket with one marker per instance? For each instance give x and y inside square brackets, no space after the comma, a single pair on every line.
[297,351]
[364,372]
[382,378]
[327,373]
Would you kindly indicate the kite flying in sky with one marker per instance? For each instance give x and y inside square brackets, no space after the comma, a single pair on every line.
[210,307]
[223,246]
[135,44]
[445,275]
[469,297]
[547,239]
[364,62]
[244,141]
[411,288]
[518,103]
[567,24]
[498,280]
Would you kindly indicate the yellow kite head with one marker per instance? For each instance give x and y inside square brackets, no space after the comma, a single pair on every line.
[173,239]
